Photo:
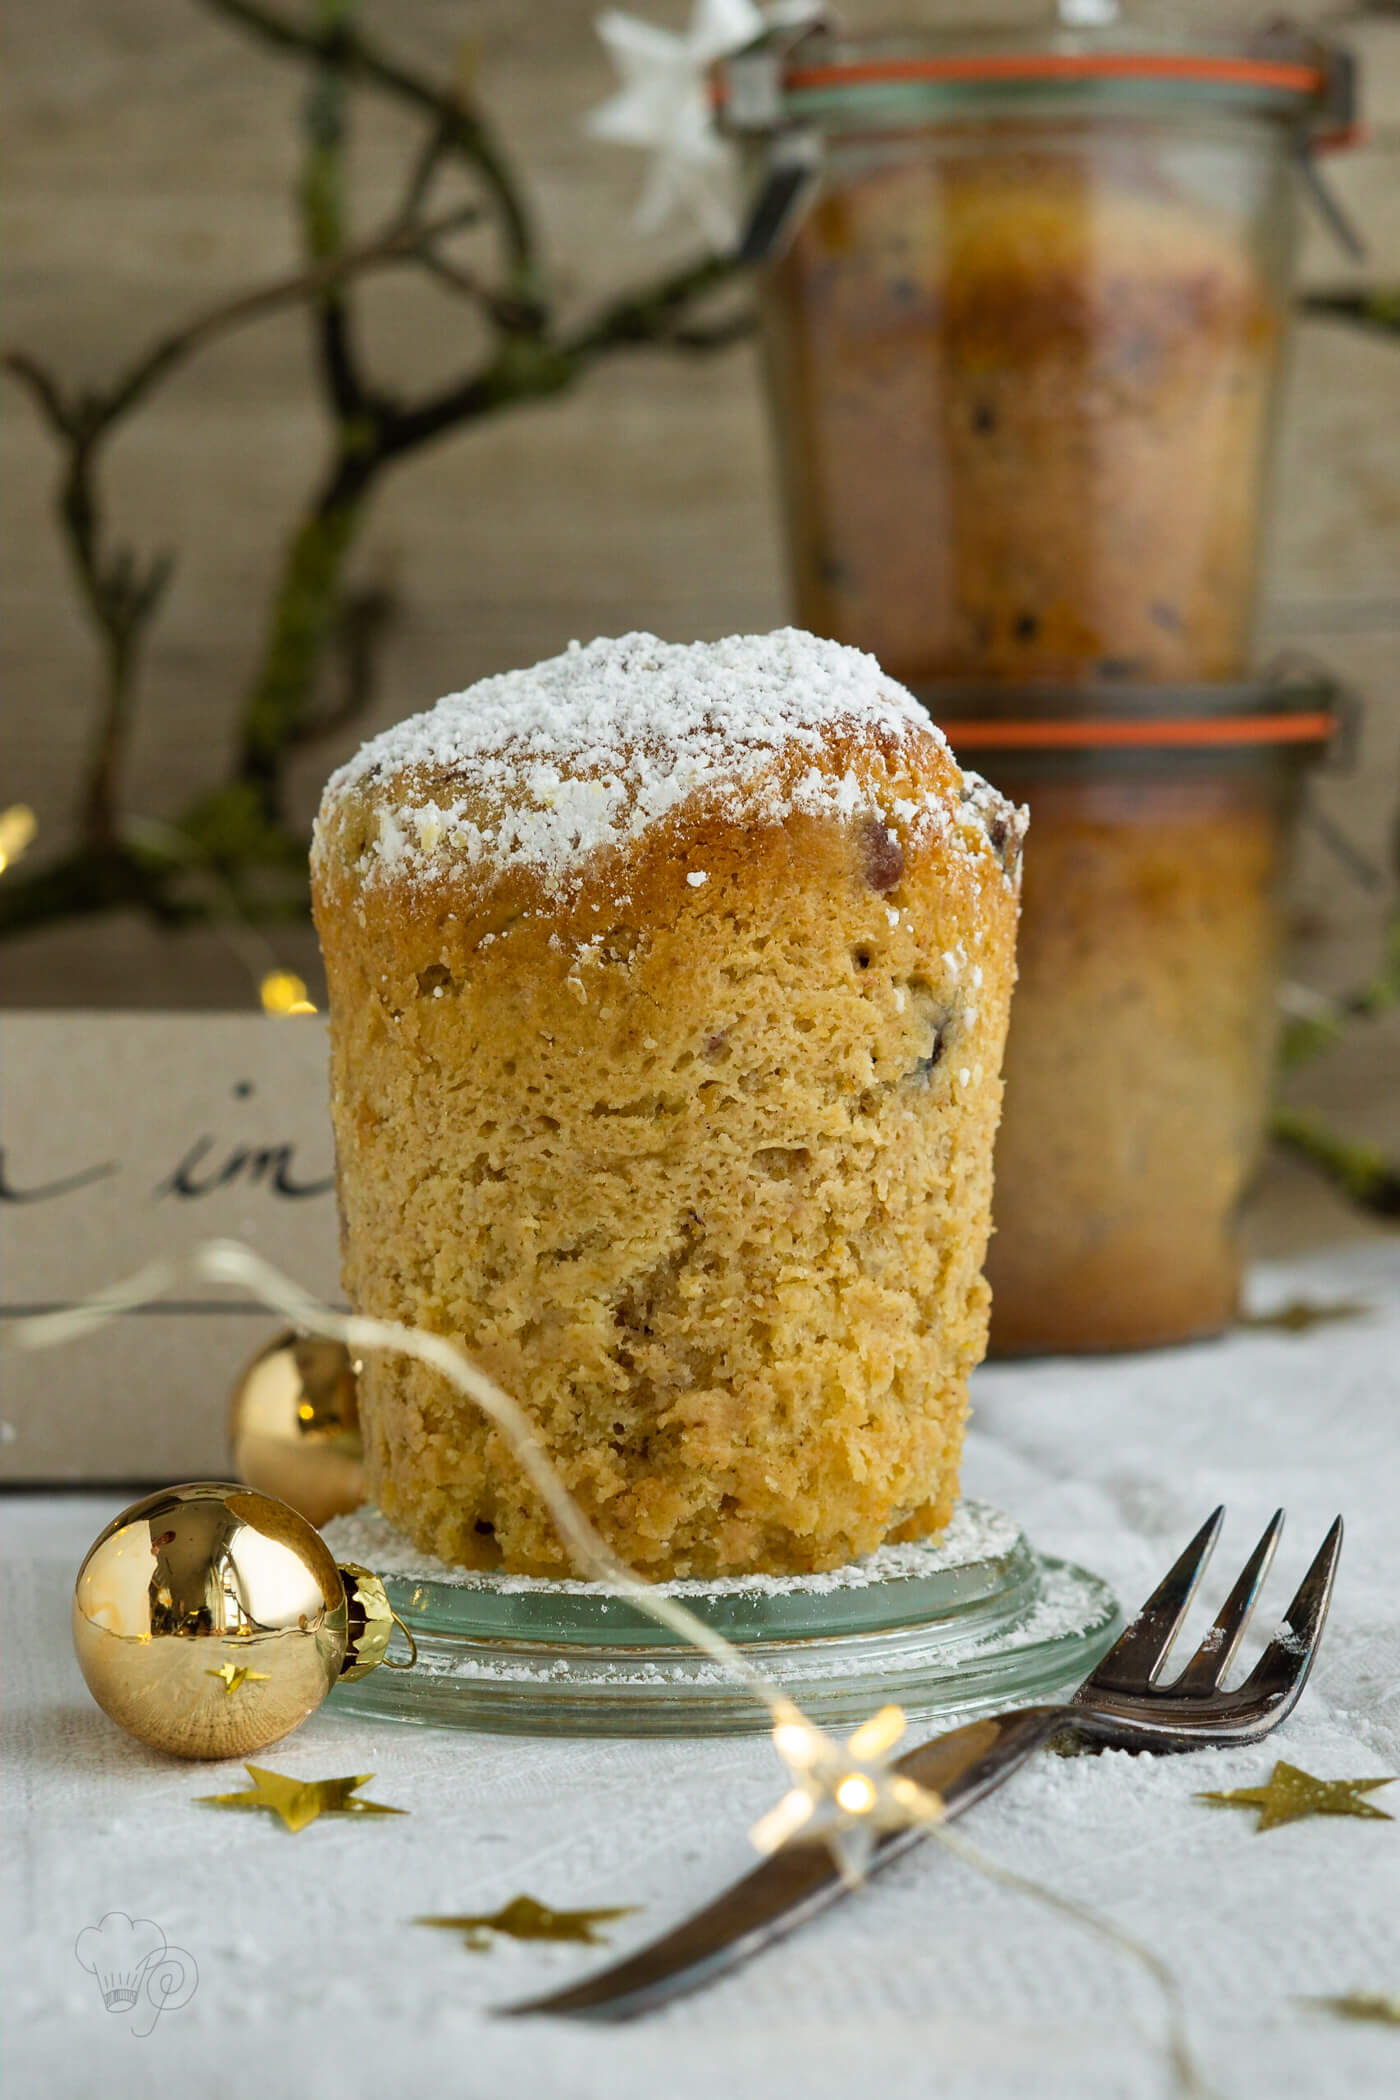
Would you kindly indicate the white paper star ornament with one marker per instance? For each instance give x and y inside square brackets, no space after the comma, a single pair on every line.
[662,106]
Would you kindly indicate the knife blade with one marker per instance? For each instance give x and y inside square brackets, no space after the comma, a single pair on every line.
[793,1885]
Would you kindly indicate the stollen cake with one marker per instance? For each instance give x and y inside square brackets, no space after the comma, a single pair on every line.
[1024,405]
[1139,1065]
[668,988]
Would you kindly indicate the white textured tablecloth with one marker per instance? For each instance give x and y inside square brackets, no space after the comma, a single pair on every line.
[312,1982]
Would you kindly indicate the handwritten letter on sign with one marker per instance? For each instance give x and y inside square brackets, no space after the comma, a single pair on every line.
[124,1137]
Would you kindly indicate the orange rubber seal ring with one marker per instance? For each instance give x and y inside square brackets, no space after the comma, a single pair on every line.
[1101,732]
[1063,65]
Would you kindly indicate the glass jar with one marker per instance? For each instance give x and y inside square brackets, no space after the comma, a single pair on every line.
[1023,335]
[1140,1056]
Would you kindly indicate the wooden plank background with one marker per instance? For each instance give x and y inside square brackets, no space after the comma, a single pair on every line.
[151,156]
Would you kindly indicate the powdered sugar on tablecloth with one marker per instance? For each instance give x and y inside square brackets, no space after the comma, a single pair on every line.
[591,748]
[930,1982]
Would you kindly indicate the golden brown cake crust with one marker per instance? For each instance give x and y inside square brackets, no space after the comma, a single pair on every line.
[688,1140]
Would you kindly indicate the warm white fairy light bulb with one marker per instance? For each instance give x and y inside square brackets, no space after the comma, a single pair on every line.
[795,1743]
[844,1795]
[18,825]
[283,992]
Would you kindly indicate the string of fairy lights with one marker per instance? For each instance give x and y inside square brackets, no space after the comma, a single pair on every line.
[280,992]
[845,1794]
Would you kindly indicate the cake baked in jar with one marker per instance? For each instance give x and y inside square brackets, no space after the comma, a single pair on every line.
[1140,1063]
[1140,1066]
[1025,287]
[1023,393]
[668,990]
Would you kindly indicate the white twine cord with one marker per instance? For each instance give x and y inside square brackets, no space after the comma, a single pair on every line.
[227,1261]
[1186,2075]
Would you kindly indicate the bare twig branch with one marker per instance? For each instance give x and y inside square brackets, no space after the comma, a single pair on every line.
[717,335]
[654,313]
[121,592]
[511,315]
[237,829]
[89,883]
[1376,307]
[1340,844]
[364,617]
[1366,1176]
[399,244]
[64,419]
[435,148]
[1308,1036]
[524,368]
[321,200]
[464,124]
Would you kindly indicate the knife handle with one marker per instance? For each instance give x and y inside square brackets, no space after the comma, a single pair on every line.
[797,1882]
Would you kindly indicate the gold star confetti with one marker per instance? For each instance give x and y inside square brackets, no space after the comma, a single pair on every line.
[236,1675]
[843,1794]
[299,1801]
[1361,2005]
[1292,1794]
[525,1919]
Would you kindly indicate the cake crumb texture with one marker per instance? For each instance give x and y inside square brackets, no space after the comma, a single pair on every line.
[699,1172]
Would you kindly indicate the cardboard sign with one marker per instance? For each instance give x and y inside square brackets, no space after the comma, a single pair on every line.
[124,1137]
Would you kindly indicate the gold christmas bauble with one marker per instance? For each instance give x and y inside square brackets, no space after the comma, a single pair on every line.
[210,1620]
[294,1427]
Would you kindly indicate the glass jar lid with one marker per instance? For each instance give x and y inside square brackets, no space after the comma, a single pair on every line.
[1077,53]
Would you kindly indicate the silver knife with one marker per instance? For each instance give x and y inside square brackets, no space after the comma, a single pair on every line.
[1121,1702]
[794,1884]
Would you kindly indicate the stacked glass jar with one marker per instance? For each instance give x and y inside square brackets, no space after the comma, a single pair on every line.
[1026,301]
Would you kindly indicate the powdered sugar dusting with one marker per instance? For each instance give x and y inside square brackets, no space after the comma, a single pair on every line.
[977,1532]
[542,768]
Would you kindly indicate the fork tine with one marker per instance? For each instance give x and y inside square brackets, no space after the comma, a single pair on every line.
[1217,1651]
[1282,1670]
[1137,1655]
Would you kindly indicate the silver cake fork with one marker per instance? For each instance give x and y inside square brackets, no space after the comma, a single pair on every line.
[1124,1704]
